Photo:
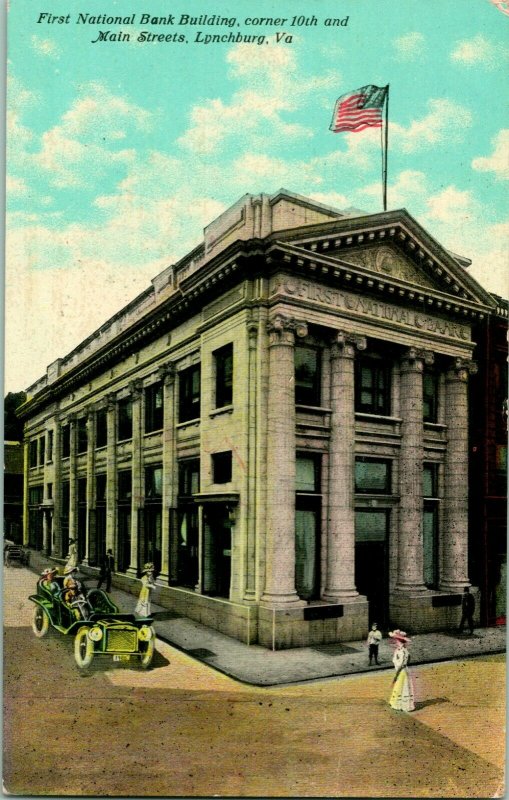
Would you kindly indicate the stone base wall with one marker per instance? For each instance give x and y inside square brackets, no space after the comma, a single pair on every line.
[280,629]
[433,611]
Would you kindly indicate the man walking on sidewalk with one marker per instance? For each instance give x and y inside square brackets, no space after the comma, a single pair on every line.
[107,567]
[467,610]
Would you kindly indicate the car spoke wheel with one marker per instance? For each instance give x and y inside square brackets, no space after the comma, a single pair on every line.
[83,649]
[147,651]
[40,622]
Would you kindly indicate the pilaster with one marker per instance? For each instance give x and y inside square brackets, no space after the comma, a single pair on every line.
[111,473]
[136,388]
[167,374]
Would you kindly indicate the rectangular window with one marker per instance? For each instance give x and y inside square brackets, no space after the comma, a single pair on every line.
[224,375]
[372,476]
[372,386]
[430,545]
[222,467]
[189,393]
[371,526]
[429,396]
[35,495]
[430,480]
[154,407]
[49,491]
[101,428]
[82,490]
[153,483]
[42,442]
[66,440]
[124,486]
[125,419]
[100,489]
[189,477]
[307,376]
[81,435]
[308,478]
[32,453]
[49,445]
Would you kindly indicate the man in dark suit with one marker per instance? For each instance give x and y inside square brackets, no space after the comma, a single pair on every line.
[107,567]
[467,610]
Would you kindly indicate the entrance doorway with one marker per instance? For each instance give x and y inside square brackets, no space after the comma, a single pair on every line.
[217,552]
[371,562]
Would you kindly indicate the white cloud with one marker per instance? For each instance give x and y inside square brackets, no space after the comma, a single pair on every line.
[15,186]
[452,207]
[408,189]
[491,261]
[445,122]
[77,151]
[479,51]
[270,88]
[409,47]
[498,161]
[45,47]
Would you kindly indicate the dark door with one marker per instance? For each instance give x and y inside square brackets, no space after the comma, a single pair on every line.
[371,562]
[217,553]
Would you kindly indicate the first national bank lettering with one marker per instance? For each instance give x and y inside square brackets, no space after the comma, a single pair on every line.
[367,306]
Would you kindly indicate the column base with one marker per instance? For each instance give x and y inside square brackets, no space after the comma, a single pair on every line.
[412,589]
[282,601]
[342,596]
[249,597]
[163,579]
[454,586]
[132,572]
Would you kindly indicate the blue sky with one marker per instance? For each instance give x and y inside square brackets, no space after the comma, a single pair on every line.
[119,153]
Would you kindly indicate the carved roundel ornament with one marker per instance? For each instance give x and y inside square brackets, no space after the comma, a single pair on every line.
[502,5]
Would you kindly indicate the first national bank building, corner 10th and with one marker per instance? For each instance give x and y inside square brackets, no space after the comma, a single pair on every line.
[279,423]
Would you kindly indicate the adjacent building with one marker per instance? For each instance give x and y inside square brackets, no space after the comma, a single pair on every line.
[279,422]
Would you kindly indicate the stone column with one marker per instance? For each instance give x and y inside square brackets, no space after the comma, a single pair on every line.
[138,489]
[167,374]
[249,500]
[73,508]
[26,454]
[91,524]
[111,473]
[410,540]
[454,537]
[340,578]
[57,489]
[280,532]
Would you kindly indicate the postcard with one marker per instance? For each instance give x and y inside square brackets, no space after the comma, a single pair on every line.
[256,303]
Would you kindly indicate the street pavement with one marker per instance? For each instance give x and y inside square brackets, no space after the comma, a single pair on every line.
[258,666]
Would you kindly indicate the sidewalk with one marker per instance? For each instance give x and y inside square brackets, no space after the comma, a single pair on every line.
[255,665]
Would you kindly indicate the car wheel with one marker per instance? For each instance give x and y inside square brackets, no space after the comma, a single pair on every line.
[83,649]
[40,622]
[147,651]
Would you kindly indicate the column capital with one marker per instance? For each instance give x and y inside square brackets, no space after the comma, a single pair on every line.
[167,373]
[415,359]
[252,330]
[283,330]
[71,418]
[136,388]
[344,344]
[460,369]
[111,401]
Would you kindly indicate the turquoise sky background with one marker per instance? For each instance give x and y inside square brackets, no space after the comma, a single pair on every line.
[119,153]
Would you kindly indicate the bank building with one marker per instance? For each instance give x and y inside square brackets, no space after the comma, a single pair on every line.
[279,423]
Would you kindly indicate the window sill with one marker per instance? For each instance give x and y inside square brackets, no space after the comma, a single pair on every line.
[102,447]
[124,441]
[195,421]
[313,409]
[157,432]
[363,415]
[223,410]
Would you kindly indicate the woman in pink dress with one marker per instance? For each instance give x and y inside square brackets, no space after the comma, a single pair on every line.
[402,695]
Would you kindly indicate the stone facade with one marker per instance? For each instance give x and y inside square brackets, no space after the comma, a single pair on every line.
[279,423]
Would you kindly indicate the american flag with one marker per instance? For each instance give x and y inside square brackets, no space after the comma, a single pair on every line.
[359,109]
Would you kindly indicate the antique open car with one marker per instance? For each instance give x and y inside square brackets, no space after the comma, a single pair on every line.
[15,554]
[95,622]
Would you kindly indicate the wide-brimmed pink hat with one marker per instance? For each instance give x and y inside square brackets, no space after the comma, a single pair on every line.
[400,636]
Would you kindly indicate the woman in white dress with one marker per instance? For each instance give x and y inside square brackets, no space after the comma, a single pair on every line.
[72,557]
[402,695]
[147,585]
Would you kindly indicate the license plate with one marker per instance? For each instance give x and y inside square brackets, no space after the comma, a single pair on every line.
[121,658]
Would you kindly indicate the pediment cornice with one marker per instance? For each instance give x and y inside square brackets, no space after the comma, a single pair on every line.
[437,267]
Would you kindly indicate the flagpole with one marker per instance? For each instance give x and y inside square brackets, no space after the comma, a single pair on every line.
[385,149]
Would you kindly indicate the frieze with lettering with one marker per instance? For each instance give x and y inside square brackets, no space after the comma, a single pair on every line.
[369,307]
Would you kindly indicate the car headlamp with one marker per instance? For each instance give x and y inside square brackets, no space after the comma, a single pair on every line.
[145,633]
[95,634]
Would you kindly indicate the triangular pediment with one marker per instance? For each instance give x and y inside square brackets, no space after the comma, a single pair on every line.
[387,261]
[393,245]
